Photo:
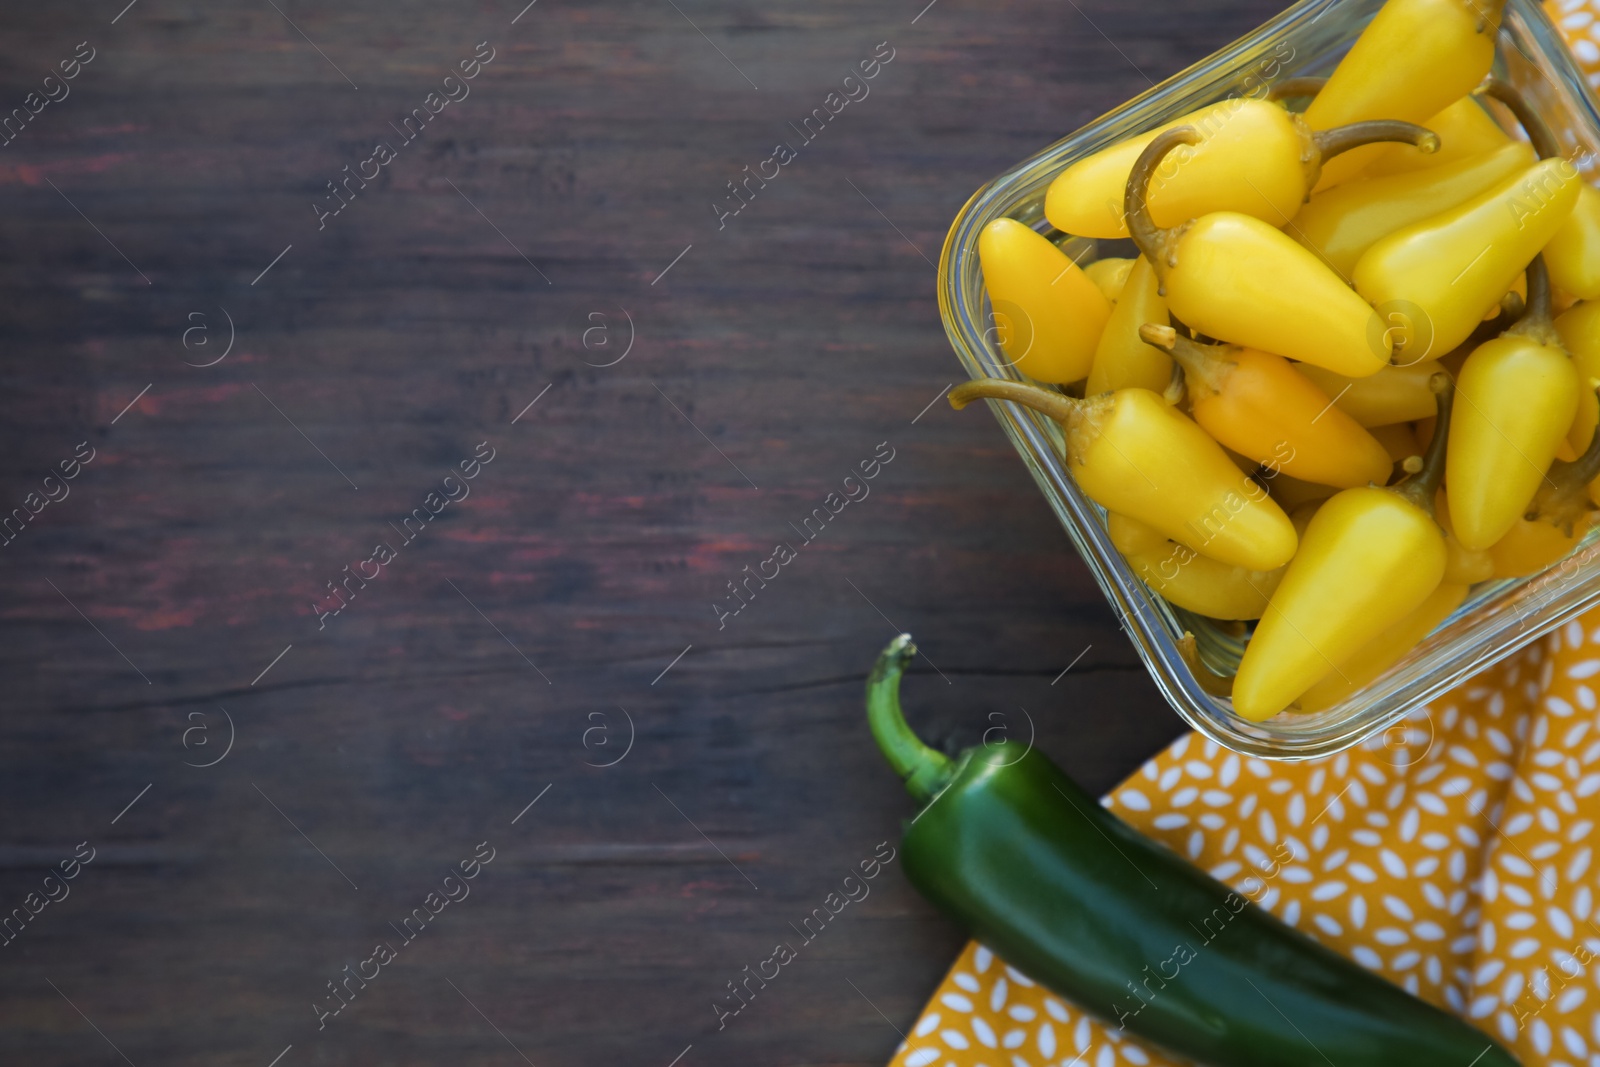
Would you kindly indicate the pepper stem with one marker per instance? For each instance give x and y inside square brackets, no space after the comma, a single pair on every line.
[1203,367]
[1158,245]
[1538,305]
[923,769]
[1290,88]
[1535,322]
[1342,139]
[1538,131]
[1563,496]
[1063,409]
[1422,486]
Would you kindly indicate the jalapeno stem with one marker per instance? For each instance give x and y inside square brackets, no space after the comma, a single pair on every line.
[1290,88]
[1157,244]
[1535,323]
[923,769]
[1421,487]
[1205,369]
[1341,139]
[1539,135]
[1064,409]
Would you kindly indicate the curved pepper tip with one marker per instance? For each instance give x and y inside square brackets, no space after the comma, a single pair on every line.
[901,650]
[960,397]
[1539,133]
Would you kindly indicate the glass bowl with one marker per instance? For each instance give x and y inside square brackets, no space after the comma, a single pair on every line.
[1496,619]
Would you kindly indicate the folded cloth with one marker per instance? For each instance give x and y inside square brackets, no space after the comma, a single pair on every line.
[1451,854]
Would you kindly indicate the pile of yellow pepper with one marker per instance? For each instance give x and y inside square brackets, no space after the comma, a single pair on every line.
[1333,391]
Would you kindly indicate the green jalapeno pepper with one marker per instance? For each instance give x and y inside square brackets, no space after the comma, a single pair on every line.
[1011,848]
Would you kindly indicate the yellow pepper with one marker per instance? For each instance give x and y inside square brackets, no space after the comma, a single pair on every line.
[1515,400]
[1250,156]
[1369,558]
[1394,394]
[1257,404]
[1446,271]
[1047,312]
[1090,202]
[1414,58]
[1573,254]
[1530,546]
[1579,329]
[1498,321]
[1342,223]
[1133,453]
[1122,358]
[1465,129]
[1560,514]
[1235,278]
[1384,651]
[1187,579]
[1109,275]
[1462,565]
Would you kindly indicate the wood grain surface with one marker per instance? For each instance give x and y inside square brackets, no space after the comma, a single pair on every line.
[164,606]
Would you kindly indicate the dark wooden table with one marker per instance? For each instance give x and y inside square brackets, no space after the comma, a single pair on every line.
[557,218]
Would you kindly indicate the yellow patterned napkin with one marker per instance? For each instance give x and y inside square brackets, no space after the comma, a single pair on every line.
[1452,854]
[1580,25]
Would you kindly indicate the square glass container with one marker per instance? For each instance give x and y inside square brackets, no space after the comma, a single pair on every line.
[1497,618]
